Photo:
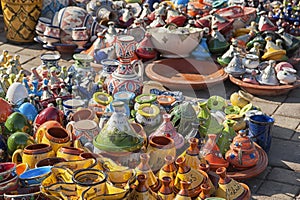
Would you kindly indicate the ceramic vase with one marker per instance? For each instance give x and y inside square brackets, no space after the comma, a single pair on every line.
[142,190]
[183,194]
[144,168]
[186,173]
[167,129]
[168,170]
[230,188]
[20,29]
[125,78]
[158,148]
[166,192]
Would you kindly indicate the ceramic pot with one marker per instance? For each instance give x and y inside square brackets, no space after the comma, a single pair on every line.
[229,188]
[17,122]
[20,29]
[85,114]
[75,165]
[55,137]
[48,114]
[125,78]
[45,126]
[31,154]
[166,102]
[102,98]
[126,97]
[69,153]
[16,93]
[242,153]
[72,105]
[168,170]
[29,111]
[21,168]
[84,130]
[41,25]
[10,184]
[167,129]
[51,35]
[142,190]
[143,99]
[145,49]
[148,115]
[158,148]
[80,37]
[260,130]
[18,140]
[125,108]
[5,111]
[144,168]
[166,192]
[49,161]
[6,170]
[35,176]
[183,194]
[24,194]
[239,122]
[118,135]
[251,61]
[186,173]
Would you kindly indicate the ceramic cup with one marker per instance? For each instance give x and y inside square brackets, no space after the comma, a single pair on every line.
[56,137]
[31,154]
[85,113]
[69,153]
[260,130]
[49,161]
[83,130]
[71,105]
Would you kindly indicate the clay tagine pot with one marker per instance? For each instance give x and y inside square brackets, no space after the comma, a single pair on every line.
[242,153]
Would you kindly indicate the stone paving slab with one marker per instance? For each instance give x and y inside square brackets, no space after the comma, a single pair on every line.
[284,126]
[270,99]
[285,154]
[284,176]
[272,189]
[273,197]
[11,48]
[290,109]
[268,108]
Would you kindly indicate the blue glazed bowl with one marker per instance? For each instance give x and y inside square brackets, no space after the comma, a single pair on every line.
[34,177]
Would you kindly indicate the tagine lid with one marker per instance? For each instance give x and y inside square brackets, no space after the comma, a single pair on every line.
[118,134]
[242,142]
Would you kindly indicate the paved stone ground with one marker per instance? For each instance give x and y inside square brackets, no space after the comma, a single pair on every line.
[281,179]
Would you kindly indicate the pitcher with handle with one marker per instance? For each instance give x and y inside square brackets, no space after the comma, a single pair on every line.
[125,77]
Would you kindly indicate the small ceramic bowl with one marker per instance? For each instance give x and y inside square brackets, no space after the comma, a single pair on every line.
[34,177]
[6,169]
[10,184]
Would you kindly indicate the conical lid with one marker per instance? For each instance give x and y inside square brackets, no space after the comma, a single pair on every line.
[118,134]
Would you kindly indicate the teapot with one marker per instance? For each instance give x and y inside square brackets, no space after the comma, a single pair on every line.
[125,77]
[287,75]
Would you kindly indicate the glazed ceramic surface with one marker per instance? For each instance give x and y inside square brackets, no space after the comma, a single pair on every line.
[48,114]
[17,122]
[6,170]
[20,29]
[16,93]
[31,154]
[34,177]
[5,111]
[18,140]
[175,43]
[69,153]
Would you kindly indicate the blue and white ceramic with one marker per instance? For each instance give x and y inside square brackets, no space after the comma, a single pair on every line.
[125,96]
[125,108]
[34,177]
[71,105]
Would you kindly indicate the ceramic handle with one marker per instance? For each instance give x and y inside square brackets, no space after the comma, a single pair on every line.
[70,129]
[15,155]
[139,64]
[39,135]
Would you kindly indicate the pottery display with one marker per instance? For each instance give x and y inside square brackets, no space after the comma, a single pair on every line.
[18,140]
[166,192]
[168,170]
[35,176]
[48,114]
[69,153]
[142,190]
[31,154]
[125,77]
[16,93]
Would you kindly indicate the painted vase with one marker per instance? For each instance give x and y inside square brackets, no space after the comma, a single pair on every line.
[142,190]
[192,154]
[186,173]
[168,170]
[158,148]
[167,129]
[118,134]
[33,153]
[243,153]
[21,28]
[144,168]
[166,192]
[125,78]
[230,188]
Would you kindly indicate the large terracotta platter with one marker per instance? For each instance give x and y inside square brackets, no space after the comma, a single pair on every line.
[264,90]
[185,73]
